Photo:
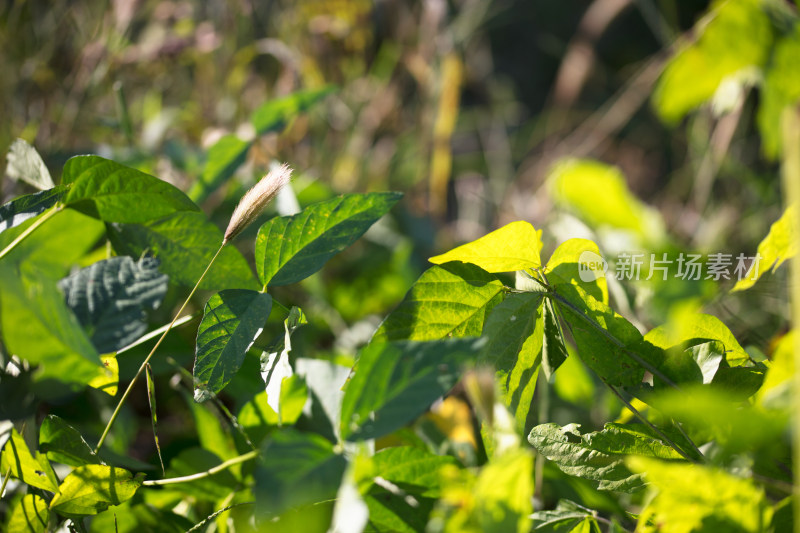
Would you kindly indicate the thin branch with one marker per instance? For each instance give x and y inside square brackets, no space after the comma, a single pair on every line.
[47,215]
[200,475]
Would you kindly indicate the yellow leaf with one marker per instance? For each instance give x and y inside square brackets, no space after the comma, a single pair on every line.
[107,377]
[515,246]
[779,245]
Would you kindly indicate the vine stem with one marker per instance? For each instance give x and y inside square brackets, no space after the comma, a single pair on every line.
[147,359]
[39,221]
[200,475]
[790,126]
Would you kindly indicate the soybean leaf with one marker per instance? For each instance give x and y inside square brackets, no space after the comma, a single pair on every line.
[296,469]
[449,300]
[38,326]
[513,349]
[18,461]
[396,382]
[64,444]
[414,470]
[553,350]
[224,158]
[515,246]
[599,456]
[779,245]
[22,208]
[275,367]
[779,90]
[90,489]
[700,498]
[185,242]
[289,249]
[274,115]
[132,516]
[232,320]
[25,163]
[699,326]
[567,516]
[110,296]
[107,377]
[257,416]
[695,73]
[208,489]
[115,193]
[325,381]
[28,514]
[151,397]
[578,261]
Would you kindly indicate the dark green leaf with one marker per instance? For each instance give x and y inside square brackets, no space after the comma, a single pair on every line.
[289,249]
[599,456]
[232,319]
[151,399]
[90,489]
[110,296]
[29,514]
[553,350]
[185,242]
[208,489]
[396,382]
[21,209]
[62,443]
[25,163]
[296,469]
[115,193]
[448,300]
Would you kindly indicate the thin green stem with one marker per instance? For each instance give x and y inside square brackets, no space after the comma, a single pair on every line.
[5,481]
[47,215]
[147,359]
[200,475]
[159,331]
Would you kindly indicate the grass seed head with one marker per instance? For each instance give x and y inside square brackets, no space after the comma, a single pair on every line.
[256,199]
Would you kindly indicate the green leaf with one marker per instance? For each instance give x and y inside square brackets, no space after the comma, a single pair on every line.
[513,348]
[257,416]
[599,195]
[25,163]
[574,260]
[599,456]
[554,352]
[613,360]
[63,444]
[110,296]
[700,499]
[567,516]
[718,55]
[396,382]
[232,320]
[275,367]
[22,208]
[185,242]
[776,390]
[779,245]
[449,300]
[780,89]
[115,193]
[691,326]
[151,400]
[18,461]
[415,470]
[289,249]
[515,246]
[574,383]
[274,115]
[224,158]
[29,514]
[38,327]
[208,489]
[90,489]
[296,469]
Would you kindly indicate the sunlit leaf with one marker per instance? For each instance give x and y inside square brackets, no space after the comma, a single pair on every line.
[686,327]
[110,296]
[289,249]
[106,378]
[396,382]
[232,320]
[90,489]
[18,462]
[115,193]
[695,73]
[700,498]
[29,514]
[275,361]
[781,89]
[779,245]
[554,352]
[776,391]
[274,114]
[515,246]
[449,300]
[22,208]
[574,260]
[568,516]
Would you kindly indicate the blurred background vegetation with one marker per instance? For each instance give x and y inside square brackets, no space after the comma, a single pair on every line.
[464,105]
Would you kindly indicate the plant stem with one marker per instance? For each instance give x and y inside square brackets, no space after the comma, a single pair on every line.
[200,475]
[38,222]
[5,481]
[790,125]
[147,359]
[156,332]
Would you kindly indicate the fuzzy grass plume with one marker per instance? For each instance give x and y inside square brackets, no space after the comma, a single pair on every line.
[256,199]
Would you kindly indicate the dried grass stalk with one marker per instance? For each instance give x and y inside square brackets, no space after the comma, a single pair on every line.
[256,199]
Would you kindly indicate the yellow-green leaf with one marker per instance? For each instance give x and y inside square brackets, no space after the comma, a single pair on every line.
[107,379]
[578,261]
[515,246]
[779,245]
[90,489]
[29,515]
[688,326]
[21,464]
